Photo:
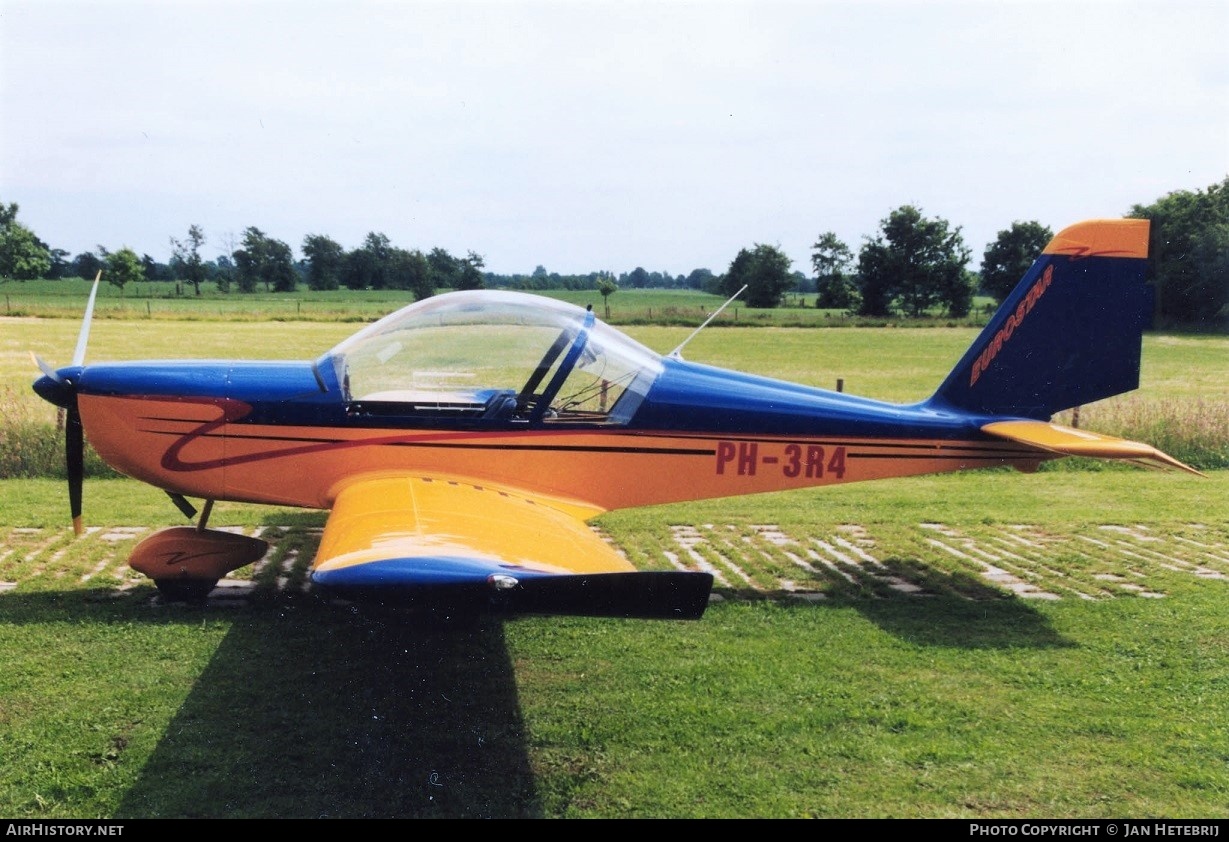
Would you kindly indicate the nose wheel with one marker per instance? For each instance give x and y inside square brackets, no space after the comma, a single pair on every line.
[186,562]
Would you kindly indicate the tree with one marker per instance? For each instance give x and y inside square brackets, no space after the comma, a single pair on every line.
[470,275]
[607,287]
[1190,247]
[247,263]
[60,264]
[154,271]
[367,266]
[1011,254]
[124,267]
[875,280]
[831,260]
[700,279]
[264,259]
[325,261]
[278,268]
[956,293]
[915,263]
[358,269]
[410,270]
[764,270]
[638,278]
[445,268]
[23,256]
[186,254]
[837,292]
[223,272]
[85,265]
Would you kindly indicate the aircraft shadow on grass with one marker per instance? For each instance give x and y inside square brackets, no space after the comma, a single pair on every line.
[382,722]
[1002,623]
[310,710]
[950,618]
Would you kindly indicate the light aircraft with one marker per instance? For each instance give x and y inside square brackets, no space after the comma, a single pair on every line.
[462,443]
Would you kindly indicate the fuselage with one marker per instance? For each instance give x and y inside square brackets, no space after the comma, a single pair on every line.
[289,433]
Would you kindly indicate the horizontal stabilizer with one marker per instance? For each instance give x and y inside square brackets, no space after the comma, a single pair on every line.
[1069,441]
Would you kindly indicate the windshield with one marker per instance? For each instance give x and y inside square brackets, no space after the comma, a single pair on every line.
[497,356]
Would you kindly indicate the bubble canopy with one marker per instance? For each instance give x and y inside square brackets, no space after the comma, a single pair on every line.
[495,356]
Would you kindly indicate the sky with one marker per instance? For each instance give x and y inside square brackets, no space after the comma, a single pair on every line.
[599,135]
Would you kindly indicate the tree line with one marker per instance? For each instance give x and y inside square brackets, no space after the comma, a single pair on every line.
[912,265]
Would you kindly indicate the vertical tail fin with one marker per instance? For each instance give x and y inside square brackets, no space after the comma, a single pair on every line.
[1070,332]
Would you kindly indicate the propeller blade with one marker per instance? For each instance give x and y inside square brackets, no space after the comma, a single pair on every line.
[84,336]
[45,367]
[74,460]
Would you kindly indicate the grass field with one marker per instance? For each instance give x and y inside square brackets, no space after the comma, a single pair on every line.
[979,645]
[159,301]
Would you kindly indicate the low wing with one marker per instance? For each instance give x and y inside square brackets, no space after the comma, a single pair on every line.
[433,539]
[1072,442]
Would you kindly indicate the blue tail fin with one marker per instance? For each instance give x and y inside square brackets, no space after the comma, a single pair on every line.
[1070,332]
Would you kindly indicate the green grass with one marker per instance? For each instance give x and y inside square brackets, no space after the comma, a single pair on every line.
[158,301]
[967,702]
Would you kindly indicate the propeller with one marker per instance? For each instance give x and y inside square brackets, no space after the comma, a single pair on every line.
[84,336]
[62,391]
[74,461]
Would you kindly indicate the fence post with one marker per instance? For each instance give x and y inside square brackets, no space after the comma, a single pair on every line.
[840,384]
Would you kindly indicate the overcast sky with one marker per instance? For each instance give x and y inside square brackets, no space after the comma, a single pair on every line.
[591,135]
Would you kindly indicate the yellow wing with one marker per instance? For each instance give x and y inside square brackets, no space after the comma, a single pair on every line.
[431,539]
[1072,442]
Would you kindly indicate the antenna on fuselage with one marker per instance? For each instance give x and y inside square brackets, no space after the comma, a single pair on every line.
[677,353]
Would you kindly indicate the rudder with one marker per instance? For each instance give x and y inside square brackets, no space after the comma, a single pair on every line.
[1069,334]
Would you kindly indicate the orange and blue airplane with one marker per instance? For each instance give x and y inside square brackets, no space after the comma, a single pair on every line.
[462,444]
